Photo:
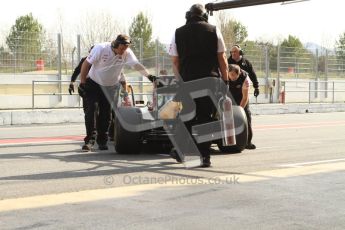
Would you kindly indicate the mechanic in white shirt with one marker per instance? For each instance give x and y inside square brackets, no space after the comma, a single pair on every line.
[108,60]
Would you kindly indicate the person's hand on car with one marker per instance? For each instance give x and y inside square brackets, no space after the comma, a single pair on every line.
[151,77]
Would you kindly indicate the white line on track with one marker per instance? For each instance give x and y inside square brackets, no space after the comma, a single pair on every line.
[301,164]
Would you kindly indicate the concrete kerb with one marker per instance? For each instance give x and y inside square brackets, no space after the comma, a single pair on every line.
[41,116]
[269,109]
[5,118]
[56,116]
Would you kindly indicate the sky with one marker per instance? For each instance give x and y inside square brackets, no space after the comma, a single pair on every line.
[317,21]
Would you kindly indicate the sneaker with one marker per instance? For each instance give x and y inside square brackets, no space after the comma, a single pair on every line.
[205,162]
[250,146]
[103,147]
[86,148]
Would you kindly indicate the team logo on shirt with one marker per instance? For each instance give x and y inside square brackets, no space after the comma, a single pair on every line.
[105,57]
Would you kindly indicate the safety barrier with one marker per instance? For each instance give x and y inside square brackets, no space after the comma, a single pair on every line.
[317,90]
[59,93]
[290,91]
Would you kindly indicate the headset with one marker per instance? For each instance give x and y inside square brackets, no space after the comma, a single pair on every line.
[121,39]
[240,49]
[91,48]
[197,10]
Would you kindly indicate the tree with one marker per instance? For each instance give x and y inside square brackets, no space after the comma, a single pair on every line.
[292,42]
[340,46]
[294,55]
[272,53]
[25,40]
[233,31]
[98,27]
[225,27]
[141,28]
[240,32]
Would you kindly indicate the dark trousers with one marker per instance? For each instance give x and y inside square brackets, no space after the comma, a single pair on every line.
[85,104]
[97,110]
[249,120]
[204,110]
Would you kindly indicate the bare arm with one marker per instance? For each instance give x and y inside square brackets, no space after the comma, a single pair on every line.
[176,65]
[124,85]
[84,71]
[223,65]
[141,69]
[245,97]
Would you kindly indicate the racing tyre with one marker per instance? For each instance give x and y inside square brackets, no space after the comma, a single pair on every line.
[241,132]
[125,141]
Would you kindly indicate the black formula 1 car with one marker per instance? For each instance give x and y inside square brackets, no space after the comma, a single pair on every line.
[140,126]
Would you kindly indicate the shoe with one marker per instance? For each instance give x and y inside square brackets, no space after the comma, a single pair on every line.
[87,147]
[250,146]
[205,162]
[103,147]
[176,156]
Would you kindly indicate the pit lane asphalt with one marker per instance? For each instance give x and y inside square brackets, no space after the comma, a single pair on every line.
[293,180]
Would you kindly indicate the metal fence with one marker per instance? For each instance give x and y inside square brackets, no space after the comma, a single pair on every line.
[56,92]
[299,63]
[312,91]
[58,55]
[30,53]
[292,91]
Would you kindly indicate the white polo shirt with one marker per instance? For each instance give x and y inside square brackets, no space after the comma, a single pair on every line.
[106,66]
[221,45]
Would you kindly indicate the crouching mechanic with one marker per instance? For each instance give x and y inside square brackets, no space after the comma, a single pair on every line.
[239,84]
[236,57]
[108,60]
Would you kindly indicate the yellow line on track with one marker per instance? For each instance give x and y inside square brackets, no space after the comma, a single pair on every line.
[136,190]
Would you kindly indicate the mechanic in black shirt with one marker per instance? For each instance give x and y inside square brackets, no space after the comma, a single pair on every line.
[74,76]
[239,85]
[236,57]
[198,51]
[76,73]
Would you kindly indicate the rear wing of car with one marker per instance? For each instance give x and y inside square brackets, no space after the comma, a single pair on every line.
[210,7]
